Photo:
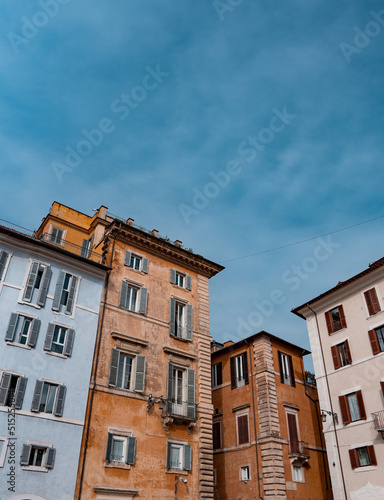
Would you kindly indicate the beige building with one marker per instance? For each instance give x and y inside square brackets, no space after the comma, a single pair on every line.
[346,331]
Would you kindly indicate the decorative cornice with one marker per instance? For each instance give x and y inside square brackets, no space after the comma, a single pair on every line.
[127,338]
[184,354]
[242,407]
[115,491]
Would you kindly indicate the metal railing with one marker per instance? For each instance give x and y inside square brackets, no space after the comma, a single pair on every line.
[182,409]
[70,247]
[297,447]
[378,420]
[15,227]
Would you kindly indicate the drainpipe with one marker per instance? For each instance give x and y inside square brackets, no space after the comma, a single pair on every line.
[97,355]
[330,399]
[254,422]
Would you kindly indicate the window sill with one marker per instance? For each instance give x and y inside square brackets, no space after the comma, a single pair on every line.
[16,344]
[56,354]
[117,465]
[375,314]
[33,468]
[36,306]
[366,468]
[180,472]
[181,338]
[337,331]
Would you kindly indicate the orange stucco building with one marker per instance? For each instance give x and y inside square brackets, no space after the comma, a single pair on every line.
[266,426]
[148,429]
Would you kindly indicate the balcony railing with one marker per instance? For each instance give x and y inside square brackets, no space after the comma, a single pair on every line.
[297,447]
[70,247]
[378,420]
[183,410]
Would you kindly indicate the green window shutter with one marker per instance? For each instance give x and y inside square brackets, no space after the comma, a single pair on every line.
[24,459]
[50,458]
[11,327]
[20,391]
[69,339]
[144,266]
[49,337]
[127,258]
[109,447]
[58,291]
[173,276]
[28,291]
[59,402]
[37,396]
[140,374]
[143,300]
[169,388]
[113,367]
[172,317]
[188,282]
[187,457]
[71,295]
[4,388]
[45,285]
[191,407]
[123,294]
[131,451]
[169,447]
[189,322]
[3,262]
[35,327]
[84,249]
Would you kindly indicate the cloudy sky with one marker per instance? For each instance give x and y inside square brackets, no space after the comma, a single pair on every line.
[236,126]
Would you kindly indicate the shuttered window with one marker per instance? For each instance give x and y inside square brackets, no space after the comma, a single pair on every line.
[12,390]
[293,433]
[352,407]
[217,375]
[180,279]
[65,293]
[376,338]
[120,448]
[341,355]
[216,428]
[22,330]
[239,370]
[48,398]
[287,375]
[3,262]
[179,456]
[59,339]
[38,456]
[133,298]
[37,285]
[127,371]
[181,395]
[181,320]
[372,301]
[136,262]
[335,319]
[242,429]
[362,457]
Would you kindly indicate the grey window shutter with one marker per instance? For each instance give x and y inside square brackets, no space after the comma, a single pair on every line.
[189,322]
[26,452]
[169,447]
[169,388]
[84,249]
[3,261]
[140,374]
[20,391]
[127,259]
[187,457]
[35,327]
[173,276]
[58,291]
[123,294]
[172,317]
[45,285]
[143,300]
[59,403]
[144,266]
[191,407]
[4,388]
[37,396]
[71,295]
[188,282]
[113,367]
[69,339]
[50,458]
[28,292]
[11,327]
[109,447]
[49,337]
[131,451]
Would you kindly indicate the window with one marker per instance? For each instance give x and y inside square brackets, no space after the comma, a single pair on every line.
[181,392]
[3,263]
[239,370]
[86,247]
[36,288]
[293,433]
[179,456]
[362,457]
[121,448]
[335,319]
[22,330]
[217,376]
[12,389]
[181,319]
[352,407]
[287,375]
[180,279]
[38,456]
[245,476]
[59,339]
[133,298]
[372,301]
[56,235]
[65,293]
[242,429]
[341,355]
[127,371]
[216,429]
[376,338]
[48,398]
[297,474]
[136,262]
[3,449]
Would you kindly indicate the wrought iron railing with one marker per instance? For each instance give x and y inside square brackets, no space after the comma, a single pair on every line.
[181,409]
[297,447]
[17,228]
[378,420]
[70,247]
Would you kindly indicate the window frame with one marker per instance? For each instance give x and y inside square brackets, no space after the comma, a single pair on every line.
[293,431]
[243,430]
[129,448]
[176,276]
[38,273]
[355,458]
[332,324]
[244,468]
[345,407]
[217,374]
[185,461]
[48,456]
[68,340]
[138,367]
[140,305]
[53,239]
[377,344]
[187,407]
[234,363]
[185,330]
[58,400]
[130,258]
[337,356]
[216,435]
[286,365]
[301,472]
[5,258]
[13,330]
[3,449]
[71,291]
[19,389]
[372,301]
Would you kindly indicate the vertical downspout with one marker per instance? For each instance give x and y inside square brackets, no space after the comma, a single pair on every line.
[330,399]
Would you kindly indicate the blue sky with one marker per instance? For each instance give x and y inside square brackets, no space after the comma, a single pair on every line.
[246,126]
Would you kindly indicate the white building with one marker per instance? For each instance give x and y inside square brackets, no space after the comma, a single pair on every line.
[346,331]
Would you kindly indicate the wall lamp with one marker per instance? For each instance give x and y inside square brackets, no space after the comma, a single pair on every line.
[324,414]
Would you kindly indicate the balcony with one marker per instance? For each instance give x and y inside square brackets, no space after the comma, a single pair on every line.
[70,247]
[296,453]
[179,413]
[378,421]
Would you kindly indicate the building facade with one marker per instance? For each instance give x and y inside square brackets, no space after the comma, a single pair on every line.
[266,425]
[346,331]
[49,314]
[149,418]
